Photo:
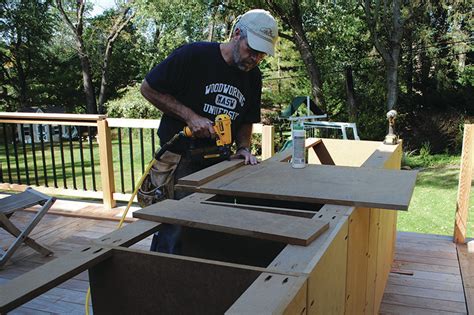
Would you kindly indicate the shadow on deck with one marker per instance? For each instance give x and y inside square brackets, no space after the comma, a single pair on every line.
[425,277]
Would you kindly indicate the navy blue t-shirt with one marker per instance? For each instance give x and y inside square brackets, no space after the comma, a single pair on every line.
[197,75]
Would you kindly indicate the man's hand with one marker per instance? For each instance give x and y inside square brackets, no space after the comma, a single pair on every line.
[245,154]
[201,127]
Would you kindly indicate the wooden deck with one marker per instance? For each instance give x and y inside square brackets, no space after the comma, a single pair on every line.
[61,232]
[425,278]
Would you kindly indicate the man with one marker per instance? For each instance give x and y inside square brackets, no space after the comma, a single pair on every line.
[197,82]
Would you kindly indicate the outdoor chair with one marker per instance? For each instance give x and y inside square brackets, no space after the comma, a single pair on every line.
[23,200]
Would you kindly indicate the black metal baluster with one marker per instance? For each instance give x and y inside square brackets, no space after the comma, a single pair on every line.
[53,162]
[71,150]
[61,150]
[142,150]
[130,144]
[7,152]
[122,181]
[15,151]
[43,156]
[33,150]
[91,150]
[81,152]
[152,131]
[1,168]
[25,157]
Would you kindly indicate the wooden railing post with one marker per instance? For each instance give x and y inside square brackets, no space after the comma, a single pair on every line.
[464,188]
[268,142]
[106,163]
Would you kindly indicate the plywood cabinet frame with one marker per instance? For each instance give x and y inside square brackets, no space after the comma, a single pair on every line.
[343,271]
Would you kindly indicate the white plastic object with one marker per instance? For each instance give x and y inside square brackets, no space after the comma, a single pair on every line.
[299,135]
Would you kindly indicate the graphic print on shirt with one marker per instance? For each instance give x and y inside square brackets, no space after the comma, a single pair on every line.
[227,99]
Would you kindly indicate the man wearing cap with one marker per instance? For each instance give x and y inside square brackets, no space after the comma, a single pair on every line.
[201,80]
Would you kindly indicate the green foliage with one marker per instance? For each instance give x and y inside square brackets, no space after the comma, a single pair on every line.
[131,104]
[26,28]
[284,77]
[424,159]
[436,76]
[127,56]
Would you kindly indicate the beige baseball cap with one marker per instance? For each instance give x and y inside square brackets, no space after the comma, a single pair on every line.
[262,30]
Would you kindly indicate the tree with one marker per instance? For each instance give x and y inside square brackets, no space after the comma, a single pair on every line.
[120,23]
[292,15]
[385,21]
[26,28]
[77,28]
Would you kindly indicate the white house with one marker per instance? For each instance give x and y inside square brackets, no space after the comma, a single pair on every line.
[36,131]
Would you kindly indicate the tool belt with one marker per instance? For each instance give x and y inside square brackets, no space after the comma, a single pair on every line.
[159,182]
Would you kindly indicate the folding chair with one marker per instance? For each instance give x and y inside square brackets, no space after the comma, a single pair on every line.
[9,205]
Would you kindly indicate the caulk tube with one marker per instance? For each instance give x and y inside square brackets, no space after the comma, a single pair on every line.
[299,135]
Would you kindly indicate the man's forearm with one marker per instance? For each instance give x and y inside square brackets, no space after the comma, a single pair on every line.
[243,136]
[166,103]
[201,127]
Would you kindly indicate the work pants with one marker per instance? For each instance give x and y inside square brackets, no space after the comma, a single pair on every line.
[167,239]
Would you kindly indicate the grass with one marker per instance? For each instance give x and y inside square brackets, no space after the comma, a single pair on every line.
[66,174]
[433,204]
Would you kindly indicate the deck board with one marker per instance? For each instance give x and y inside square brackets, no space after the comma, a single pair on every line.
[436,284]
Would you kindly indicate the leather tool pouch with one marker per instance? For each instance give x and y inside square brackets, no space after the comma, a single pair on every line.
[159,182]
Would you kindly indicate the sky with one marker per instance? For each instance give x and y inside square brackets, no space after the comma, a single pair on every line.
[101,5]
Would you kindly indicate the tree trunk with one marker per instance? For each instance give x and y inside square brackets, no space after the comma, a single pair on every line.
[392,85]
[292,17]
[91,103]
[120,23]
[104,81]
[211,25]
[311,66]
[350,93]
[424,66]
[409,69]
[389,48]
[22,85]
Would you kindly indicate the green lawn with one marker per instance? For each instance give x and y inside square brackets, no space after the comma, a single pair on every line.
[63,168]
[433,204]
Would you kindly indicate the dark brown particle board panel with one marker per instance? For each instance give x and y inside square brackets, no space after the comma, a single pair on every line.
[326,184]
[270,226]
[211,173]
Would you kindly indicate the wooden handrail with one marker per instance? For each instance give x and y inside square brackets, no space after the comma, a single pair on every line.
[103,123]
[133,123]
[46,116]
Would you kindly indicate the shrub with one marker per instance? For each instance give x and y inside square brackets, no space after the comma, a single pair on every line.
[131,104]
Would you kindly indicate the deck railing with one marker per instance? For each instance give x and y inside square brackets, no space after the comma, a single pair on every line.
[89,156]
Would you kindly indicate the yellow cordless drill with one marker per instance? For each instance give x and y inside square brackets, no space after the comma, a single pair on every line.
[222,128]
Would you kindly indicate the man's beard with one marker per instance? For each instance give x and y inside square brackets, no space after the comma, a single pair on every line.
[238,62]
